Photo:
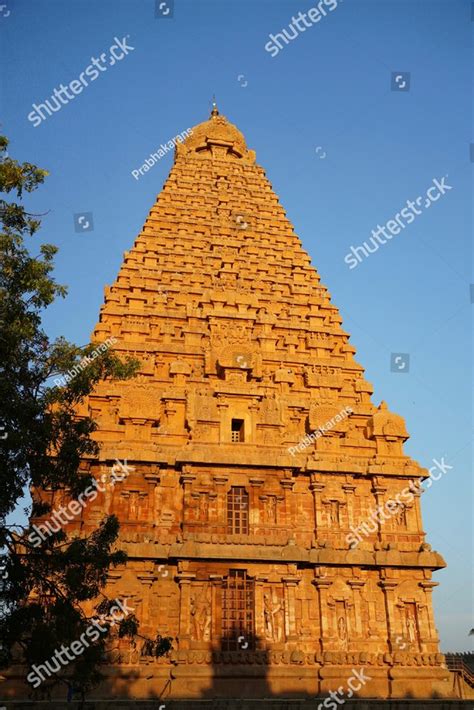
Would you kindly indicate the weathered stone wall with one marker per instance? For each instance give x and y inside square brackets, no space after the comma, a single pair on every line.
[230,322]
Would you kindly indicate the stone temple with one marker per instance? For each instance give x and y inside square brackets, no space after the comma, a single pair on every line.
[259,460]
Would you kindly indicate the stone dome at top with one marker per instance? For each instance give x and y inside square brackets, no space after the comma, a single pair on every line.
[216,137]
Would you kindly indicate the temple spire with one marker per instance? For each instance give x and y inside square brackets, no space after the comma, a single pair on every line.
[215,110]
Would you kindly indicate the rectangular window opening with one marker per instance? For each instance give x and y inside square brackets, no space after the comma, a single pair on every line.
[237,433]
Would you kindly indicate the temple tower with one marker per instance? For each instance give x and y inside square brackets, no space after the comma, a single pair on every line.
[259,460]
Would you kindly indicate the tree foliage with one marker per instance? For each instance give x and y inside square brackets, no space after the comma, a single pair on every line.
[42,441]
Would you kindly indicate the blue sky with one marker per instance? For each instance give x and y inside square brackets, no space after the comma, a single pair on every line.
[343,151]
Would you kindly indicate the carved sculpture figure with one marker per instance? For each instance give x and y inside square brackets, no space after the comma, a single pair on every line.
[341,628]
[411,628]
[273,622]
[201,616]
[271,509]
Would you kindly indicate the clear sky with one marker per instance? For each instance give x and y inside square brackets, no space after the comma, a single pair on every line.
[343,151]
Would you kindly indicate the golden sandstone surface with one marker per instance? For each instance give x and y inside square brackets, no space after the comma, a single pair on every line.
[236,521]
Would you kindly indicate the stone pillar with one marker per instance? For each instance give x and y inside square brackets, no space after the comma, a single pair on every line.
[379,493]
[322,586]
[184,580]
[187,480]
[287,485]
[153,481]
[388,586]
[253,409]
[428,587]
[356,585]
[256,516]
[289,588]
[147,579]
[259,616]
[317,489]
[216,582]
[349,489]
[220,483]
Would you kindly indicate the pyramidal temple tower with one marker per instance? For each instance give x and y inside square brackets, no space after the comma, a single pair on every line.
[272,519]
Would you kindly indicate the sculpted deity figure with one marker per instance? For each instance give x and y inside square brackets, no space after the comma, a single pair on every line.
[203,507]
[341,628]
[271,509]
[201,616]
[334,512]
[272,618]
[411,628]
[401,515]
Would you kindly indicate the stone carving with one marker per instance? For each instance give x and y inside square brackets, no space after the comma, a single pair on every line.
[401,516]
[203,507]
[341,628]
[273,617]
[334,512]
[271,509]
[201,614]
[239,284]
[411,627]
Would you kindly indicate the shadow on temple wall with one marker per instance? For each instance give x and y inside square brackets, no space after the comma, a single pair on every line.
[240,669]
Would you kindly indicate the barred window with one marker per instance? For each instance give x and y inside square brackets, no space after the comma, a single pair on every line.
[237,431]
[238,511]
[238,611]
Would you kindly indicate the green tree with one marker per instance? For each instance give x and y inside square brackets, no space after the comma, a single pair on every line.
[42,441]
